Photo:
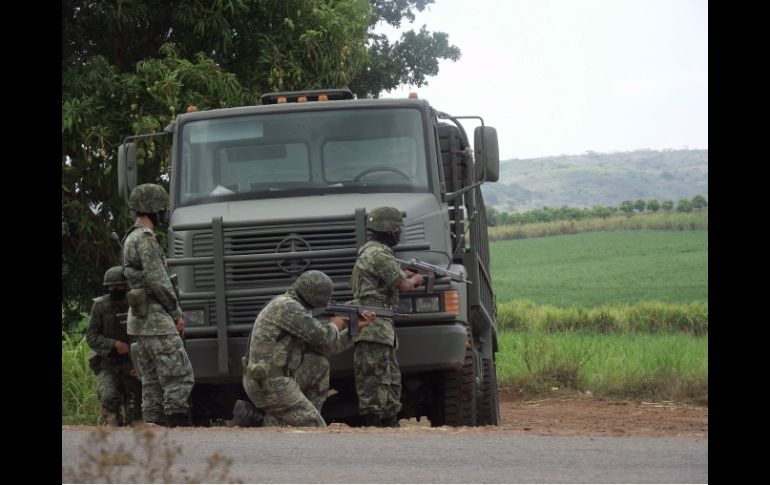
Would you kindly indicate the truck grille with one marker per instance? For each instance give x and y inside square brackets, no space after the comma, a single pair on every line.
[245,310]
[271,239]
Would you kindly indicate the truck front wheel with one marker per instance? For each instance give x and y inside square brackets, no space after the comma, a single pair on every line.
[456,394]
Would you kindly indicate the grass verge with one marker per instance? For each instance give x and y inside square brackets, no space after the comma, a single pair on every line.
[639,366]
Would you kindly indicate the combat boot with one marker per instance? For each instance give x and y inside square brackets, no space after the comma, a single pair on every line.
[133,411]
[246,414]
[390,422]
[109,417]
[371,420]
[177,420]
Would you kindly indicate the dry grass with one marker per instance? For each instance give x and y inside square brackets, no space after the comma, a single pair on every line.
[150,460]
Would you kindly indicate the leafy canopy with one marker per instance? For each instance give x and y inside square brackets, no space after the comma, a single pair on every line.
[130,66]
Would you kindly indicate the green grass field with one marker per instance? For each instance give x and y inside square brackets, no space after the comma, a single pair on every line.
[673,366]
[597,268]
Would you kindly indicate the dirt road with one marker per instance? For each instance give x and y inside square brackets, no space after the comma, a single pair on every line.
[581,416]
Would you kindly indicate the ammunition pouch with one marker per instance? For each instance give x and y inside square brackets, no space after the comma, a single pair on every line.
[262,372]
[137,300]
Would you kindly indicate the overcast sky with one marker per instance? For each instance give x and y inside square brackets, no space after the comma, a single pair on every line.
[566,76]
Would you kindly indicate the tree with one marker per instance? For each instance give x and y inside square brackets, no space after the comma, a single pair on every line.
[684,205]
[99,107]
[626,207]
[667,205]
[653,205]
[640,205]
[130,67]
[600,211]
[409,60]
[699,202]
[493,216]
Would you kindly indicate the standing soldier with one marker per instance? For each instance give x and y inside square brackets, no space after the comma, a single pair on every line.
[116,382]
[154,318]
[377,280]
[285,371]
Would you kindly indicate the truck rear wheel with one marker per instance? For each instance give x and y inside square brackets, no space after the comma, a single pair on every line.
[489,407]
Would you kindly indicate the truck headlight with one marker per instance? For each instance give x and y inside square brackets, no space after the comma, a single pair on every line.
[404,305]
[194,318]
[425,304]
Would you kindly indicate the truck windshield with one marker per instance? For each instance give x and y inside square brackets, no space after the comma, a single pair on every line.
[302,153]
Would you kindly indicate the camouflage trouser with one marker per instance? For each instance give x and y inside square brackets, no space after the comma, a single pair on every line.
[116,389]
[293,401]
[166,373]
[378,379]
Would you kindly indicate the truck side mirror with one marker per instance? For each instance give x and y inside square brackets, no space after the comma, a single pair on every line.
[126,169]
[487,154]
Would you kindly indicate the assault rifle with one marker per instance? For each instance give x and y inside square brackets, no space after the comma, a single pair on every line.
[352,312]
[430,272]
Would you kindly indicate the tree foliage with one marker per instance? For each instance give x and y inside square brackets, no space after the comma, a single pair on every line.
[410,60]
[684,205]
[626,207]
[699,202]
[130,66]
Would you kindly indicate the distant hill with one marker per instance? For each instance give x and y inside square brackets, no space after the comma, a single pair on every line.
[598,179]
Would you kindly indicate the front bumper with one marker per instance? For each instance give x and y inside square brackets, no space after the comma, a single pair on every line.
[421,348]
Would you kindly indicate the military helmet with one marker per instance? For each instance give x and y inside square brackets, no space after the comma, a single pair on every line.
[384,219]
[315,287]
[114,276]
[148,199]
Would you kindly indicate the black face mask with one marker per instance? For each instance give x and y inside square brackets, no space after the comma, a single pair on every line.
[159,219]
[117,294]
[389,239]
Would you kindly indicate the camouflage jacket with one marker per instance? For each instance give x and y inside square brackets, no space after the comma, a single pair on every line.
[105,328]
[284,329]
[145,266]
[375,279]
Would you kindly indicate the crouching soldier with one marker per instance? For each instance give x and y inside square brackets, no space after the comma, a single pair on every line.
[116,381]
[286,370]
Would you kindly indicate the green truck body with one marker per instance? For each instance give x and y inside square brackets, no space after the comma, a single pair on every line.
[262,193]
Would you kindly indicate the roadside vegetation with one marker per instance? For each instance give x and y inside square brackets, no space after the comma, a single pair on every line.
[79,402]
[642,366]
[652,317]
[665,221]
[150,459]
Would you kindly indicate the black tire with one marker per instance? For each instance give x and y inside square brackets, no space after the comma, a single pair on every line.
[457,397]
[489,405]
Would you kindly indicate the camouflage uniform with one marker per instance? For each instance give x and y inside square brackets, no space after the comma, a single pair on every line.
[161,359]
[286,374]
[114,386]
[375,279]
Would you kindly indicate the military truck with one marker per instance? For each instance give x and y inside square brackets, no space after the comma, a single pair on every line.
[260,194]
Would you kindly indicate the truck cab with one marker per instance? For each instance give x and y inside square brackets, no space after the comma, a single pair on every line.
[260,194]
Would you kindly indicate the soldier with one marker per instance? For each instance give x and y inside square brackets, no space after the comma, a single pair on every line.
[377,280]
[116,382]
[155,319]
[286,372]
